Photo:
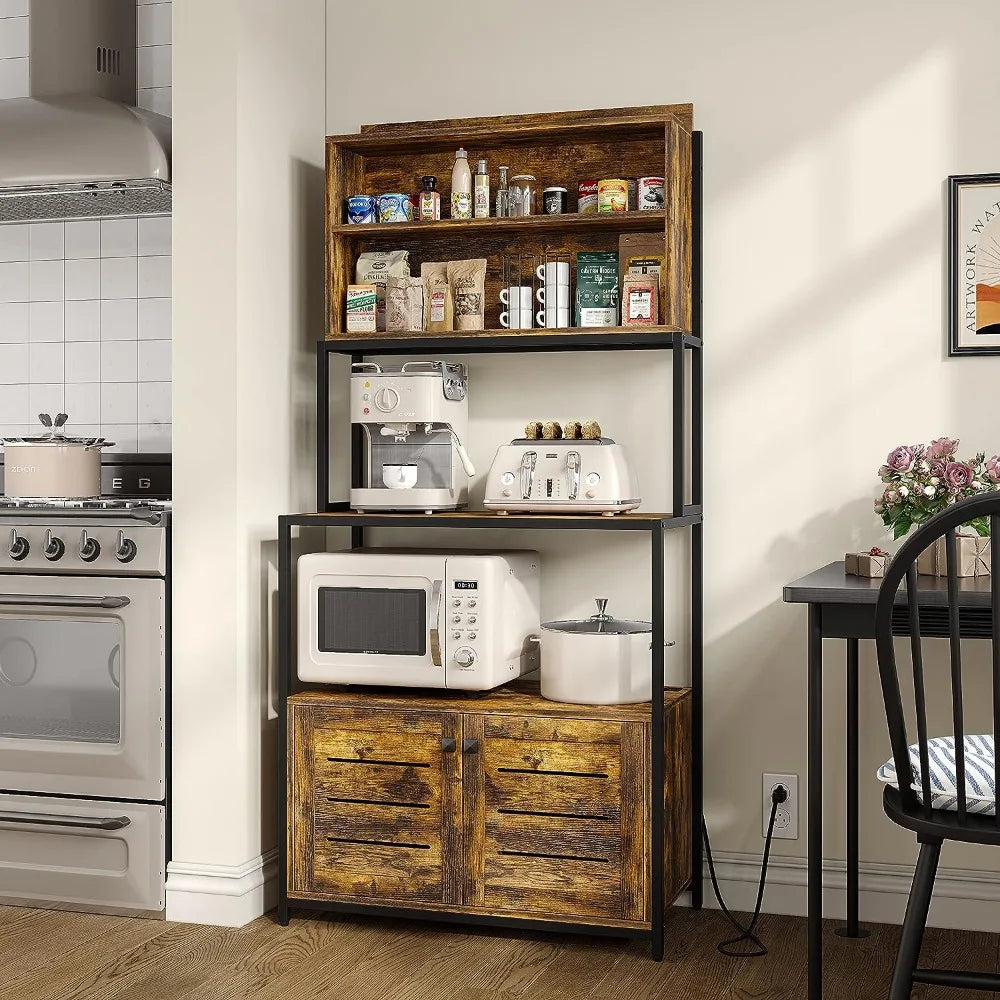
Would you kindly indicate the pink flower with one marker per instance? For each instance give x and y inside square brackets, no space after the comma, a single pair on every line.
[937,468]
[942,448]
[993,469]
[900,459]
[884,473]
[958,475]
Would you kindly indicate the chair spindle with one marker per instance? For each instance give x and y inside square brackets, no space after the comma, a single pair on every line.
[916,655]
[955,645]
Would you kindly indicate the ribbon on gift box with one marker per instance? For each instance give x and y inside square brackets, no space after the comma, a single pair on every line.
[869,564]
[973,557]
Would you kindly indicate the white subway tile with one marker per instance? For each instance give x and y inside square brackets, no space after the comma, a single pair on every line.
[13,403]
[125,436]
[45,280]
[13,78]
[14,323]
[154,360]
[154,402]
[83,279]
[13,8]
[118,403]
[156,99]
[83,320]
[46,363]
[13,364]
[154,276]
[83,239]
[154,438]
[83,363]
[153,66]
[118,277]
[46,240]
[119,237]
[118,319]
[154,235]
[83,404]
[119,361]
[14,38]
[13,242]
[46,397]
[14,282]
[45,322]
[154,319]
[153,24]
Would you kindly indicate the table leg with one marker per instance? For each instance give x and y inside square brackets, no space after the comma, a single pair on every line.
[814,778]
[852,928]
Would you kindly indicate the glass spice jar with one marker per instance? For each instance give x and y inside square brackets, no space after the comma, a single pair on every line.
[522,194]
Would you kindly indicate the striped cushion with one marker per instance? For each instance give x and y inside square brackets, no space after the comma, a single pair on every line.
[980,774]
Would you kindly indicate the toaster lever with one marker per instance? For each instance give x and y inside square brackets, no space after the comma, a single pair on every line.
[528,460]
[573,471]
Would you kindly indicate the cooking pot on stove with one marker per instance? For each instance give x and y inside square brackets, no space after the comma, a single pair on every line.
[53,464]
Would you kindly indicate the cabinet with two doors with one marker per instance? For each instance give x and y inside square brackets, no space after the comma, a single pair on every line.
[500,804]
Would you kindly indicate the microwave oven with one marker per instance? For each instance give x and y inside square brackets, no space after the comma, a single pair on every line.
[416,618]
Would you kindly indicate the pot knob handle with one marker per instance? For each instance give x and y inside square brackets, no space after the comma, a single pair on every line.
[18,547]
[54,546]
[126,550]
[90,547]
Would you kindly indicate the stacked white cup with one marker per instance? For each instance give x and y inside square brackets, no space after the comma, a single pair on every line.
[554,294]
[518,312]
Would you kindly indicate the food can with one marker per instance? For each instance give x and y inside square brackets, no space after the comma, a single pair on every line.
[651,197]
[612,195]
[361,209]
[395,207]
[587,197]
[633,193]
[555,200]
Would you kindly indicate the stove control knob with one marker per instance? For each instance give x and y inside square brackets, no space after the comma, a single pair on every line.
[18,547]
[465,657]
[54,546]
[126,550]
[90,548]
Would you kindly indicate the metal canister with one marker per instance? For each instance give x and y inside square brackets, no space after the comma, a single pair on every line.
[651,197]
[361,210]
[587,196]
[395,207]
[612,195]
[555,200]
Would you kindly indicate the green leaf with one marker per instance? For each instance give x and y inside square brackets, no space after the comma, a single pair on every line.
[901,527]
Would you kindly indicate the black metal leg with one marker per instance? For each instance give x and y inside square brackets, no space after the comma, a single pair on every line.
[915,921]
[814,779]
[852,928]
[657,747]
[697,712]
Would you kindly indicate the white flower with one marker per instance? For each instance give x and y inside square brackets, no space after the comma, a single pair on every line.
[903,491]
[925,466]
[929,491]
[935,480]
[976,485]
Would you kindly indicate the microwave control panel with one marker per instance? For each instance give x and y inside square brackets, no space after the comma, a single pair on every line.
[464,623]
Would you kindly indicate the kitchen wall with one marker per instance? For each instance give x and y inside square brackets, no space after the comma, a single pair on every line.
[85,307]
[829,131]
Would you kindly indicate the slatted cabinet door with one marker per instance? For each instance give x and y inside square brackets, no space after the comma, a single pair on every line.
[555,817]
[377,812]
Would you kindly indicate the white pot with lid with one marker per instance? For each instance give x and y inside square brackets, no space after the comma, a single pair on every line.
[599,660]
[52,464]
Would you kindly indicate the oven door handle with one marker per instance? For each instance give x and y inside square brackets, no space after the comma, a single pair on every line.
[77,822]
[436,588]
[44,601]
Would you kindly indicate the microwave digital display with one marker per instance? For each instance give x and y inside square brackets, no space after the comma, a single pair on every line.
[372,620]
[466,584]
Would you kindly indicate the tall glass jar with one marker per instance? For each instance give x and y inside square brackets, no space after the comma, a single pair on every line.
[522,194]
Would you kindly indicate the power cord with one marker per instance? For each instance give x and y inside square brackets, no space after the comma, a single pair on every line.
[747,934]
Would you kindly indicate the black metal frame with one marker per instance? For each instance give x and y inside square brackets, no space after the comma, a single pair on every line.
[903,805]
[687,434]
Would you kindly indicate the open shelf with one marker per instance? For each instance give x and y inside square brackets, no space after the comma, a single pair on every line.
[490,341]
[528,225]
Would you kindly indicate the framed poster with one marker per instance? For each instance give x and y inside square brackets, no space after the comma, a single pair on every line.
[974,264]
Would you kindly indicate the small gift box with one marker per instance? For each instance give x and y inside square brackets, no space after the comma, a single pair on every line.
[871,563]
[973,557]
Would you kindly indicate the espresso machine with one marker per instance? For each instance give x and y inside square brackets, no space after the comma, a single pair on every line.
[408,424]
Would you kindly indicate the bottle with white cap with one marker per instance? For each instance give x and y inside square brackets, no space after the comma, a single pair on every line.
[461,187]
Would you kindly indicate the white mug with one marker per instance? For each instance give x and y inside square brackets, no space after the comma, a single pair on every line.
[558,296]
[553,317]
[399,477]
[553,272]
[515,297]
[516,319]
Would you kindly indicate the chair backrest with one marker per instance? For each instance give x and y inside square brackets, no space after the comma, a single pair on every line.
[903,567]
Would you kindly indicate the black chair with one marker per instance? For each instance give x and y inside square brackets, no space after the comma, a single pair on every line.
[903,805]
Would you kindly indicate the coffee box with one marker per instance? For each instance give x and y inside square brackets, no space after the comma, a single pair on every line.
[596,288]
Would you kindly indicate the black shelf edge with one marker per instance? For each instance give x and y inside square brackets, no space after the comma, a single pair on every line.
[513,343]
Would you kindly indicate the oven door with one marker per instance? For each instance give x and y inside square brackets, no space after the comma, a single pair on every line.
[82,686]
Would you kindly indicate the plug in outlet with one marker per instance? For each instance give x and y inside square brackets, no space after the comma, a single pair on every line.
[786,819]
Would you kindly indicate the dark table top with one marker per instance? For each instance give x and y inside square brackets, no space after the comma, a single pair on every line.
[831,585]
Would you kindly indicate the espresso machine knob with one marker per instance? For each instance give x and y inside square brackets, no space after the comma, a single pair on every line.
[54,546]
[126,550]
[386,399]
[90,547]
[19,547]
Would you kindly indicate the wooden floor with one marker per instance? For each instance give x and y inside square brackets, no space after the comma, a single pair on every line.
[59,956]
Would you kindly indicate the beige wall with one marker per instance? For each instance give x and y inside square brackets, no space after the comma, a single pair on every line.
[829,130]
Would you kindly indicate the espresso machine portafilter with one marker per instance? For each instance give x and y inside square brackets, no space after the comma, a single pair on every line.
[408,426]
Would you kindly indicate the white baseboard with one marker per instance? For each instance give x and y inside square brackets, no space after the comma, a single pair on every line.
[963,899]
[226,896]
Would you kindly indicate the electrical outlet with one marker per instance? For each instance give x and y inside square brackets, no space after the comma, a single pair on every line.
[786,819]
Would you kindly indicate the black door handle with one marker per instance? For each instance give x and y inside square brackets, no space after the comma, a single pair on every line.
[448,745]
[470,746]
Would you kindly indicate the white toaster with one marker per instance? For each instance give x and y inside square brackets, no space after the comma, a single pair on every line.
[561,477]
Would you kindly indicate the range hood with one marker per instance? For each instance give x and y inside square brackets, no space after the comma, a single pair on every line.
[77,148]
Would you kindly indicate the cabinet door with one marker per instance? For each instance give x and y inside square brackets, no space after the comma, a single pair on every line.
[555,814]
[375,805]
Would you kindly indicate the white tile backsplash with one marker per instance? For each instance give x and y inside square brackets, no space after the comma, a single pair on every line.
[83,320]
[45,280]
[153,66]
[119,361]
[118,278]
[13,323]
[154,402]
[13,364]
[83,279]
[83,364]
[14,37]
[153,24]
[83,403]
[14,401]
[46,322]
[119,403]
[13,242]
[154,360]
[45,362]
[154,437]
[124,436]
[13,8]
[154,277]
[119,237]
[45,397]
[83,239]
[119,319]
[154,236]
[14,282]
[154,319]
[46,241]
[157,99]
[14,77]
